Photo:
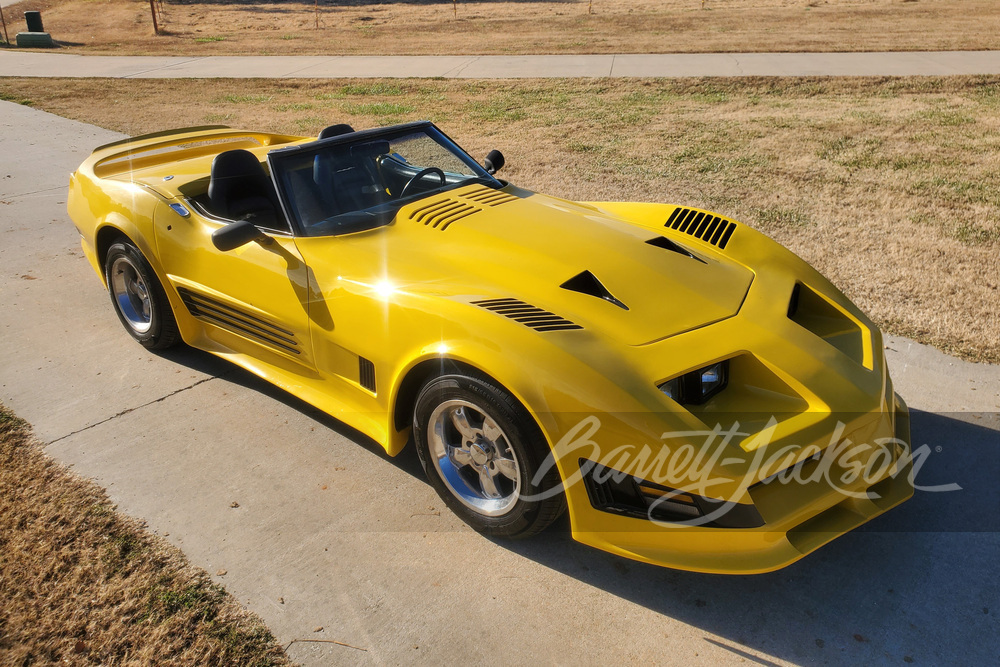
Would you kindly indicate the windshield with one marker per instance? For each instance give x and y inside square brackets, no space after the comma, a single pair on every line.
[343,185]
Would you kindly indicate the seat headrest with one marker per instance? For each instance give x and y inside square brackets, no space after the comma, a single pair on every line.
[239,186]
[335,130]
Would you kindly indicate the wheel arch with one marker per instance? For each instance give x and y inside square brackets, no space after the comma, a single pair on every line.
[416,377]
[408,388]
[105,238]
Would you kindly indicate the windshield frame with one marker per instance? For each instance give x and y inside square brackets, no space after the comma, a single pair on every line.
[382,214]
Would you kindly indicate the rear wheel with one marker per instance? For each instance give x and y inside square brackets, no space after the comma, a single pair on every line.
[481,451]
[138,297]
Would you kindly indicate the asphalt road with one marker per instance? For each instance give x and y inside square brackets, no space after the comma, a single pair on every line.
[330,533]
[903,63]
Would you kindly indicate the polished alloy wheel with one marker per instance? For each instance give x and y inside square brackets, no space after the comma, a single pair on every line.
[131,294]
[474,458]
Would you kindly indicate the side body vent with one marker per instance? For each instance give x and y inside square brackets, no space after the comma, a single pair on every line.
[366,374]
[587,283]
[529,316]
[705,226]
[441,214]
[226,317]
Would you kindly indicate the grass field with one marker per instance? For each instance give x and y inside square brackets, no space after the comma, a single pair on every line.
[81,584]
[215,27]
[888,186]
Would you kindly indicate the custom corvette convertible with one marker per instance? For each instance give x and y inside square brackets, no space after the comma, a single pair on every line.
[694,395]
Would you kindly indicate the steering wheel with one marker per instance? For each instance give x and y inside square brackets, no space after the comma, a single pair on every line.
[420,174]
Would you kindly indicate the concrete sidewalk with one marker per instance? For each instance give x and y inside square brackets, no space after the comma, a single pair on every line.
[18,63]
[331,533]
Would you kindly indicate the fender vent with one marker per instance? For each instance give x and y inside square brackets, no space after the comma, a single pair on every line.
[529,316]
[366,374]
[235,320]
[708,227]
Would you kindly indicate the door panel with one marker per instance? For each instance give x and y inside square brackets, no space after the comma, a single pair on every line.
[252,300]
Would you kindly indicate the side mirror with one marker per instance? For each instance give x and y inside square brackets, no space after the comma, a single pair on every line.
[494,162]
[236,234]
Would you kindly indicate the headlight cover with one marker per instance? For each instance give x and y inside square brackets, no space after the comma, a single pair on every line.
[697,386]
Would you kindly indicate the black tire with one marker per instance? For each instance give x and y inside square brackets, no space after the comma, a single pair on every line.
[477,398]
[138,297]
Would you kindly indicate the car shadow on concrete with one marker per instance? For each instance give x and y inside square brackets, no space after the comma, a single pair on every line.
[206,363]
[915,584]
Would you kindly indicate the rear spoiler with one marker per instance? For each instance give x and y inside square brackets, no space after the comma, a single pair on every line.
[157,135]
[158,148]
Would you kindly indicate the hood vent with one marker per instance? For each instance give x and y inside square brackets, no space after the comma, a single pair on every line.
[489,197]
[441,214]
[587,283]
[708,227]
[667,244]
[529,316]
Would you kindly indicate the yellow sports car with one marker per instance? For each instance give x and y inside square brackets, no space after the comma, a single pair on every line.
[694,394]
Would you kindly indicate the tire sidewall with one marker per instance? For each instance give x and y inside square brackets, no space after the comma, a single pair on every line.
[151,336]
[522,434]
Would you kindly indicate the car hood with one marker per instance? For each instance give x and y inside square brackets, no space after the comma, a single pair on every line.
[572,260]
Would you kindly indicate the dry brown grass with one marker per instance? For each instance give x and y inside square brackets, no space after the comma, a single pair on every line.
[214,27]
[888,186]
[81,584]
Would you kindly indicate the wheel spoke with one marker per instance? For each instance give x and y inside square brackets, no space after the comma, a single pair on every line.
[461,421]
[460,457]
[507,468]
[491,430]
[489,486]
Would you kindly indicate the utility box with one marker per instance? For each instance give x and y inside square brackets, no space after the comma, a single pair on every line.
[36,37]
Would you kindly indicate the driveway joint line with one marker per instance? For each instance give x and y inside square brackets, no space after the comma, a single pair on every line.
[287,75]
[736,61]
[456,71]
[133,409]
[35,192]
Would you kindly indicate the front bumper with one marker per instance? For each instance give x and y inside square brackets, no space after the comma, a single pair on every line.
[799,514]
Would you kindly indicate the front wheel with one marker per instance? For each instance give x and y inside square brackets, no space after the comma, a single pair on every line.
[138,298]
[481,451]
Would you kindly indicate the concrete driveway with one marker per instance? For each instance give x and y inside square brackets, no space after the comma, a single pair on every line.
[330,533]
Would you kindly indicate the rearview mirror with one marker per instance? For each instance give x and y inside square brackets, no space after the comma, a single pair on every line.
[236,234]
[494,162]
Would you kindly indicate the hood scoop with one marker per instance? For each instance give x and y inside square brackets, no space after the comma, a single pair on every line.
[587,283]
[667,244]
